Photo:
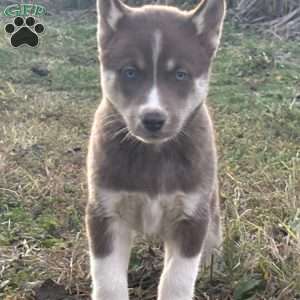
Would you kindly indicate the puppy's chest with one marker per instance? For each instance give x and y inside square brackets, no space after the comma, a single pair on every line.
[143,170]
[150,215]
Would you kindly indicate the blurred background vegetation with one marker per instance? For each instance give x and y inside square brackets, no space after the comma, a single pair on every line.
[280,18]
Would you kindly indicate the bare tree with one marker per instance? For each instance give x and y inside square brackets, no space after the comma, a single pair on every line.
[279,18]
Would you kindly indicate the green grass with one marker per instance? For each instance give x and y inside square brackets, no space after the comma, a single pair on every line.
[44,128]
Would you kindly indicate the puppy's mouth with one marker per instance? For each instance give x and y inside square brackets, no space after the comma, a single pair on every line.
[152,138]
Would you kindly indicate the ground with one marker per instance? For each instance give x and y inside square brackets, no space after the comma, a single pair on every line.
[47,99]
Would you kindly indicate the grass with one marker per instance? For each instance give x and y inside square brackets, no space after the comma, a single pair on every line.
[44,127]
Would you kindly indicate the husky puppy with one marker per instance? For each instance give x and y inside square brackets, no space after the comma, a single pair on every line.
[152,165]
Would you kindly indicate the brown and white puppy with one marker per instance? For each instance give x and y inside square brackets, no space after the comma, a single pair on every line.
[152,165]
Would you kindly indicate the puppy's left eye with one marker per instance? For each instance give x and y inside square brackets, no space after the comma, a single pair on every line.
[181,75]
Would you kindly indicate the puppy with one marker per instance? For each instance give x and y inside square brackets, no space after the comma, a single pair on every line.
[152,164]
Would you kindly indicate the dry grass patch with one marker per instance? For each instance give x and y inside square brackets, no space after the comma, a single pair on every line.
[44,128]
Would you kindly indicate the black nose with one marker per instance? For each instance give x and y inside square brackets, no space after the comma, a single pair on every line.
[153,121]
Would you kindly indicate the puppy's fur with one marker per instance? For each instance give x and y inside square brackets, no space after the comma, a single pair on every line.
[152,165]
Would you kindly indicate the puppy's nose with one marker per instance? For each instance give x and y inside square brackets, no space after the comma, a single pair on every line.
[153,121]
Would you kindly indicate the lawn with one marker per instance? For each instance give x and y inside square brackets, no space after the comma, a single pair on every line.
[44,128]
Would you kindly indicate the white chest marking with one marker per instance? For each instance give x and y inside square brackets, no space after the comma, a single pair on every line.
[152,216]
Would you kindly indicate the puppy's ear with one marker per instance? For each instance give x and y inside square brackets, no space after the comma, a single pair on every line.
[110,12]
[208,18]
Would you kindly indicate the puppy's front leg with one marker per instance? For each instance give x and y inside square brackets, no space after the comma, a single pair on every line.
[182,259]
[109,242]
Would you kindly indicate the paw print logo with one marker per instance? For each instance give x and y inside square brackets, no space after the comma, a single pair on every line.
[24,32]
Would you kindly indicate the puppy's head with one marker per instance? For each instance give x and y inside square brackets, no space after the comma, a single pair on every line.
[155,63]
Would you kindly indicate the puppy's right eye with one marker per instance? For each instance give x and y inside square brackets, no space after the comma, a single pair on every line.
[129,73]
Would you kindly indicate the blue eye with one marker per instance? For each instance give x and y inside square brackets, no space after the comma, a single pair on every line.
[130,73]
[181,75]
